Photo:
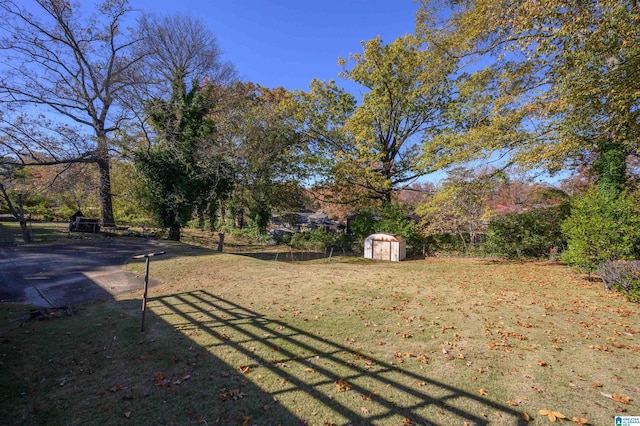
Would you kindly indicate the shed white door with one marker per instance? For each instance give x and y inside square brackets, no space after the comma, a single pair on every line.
[381,250]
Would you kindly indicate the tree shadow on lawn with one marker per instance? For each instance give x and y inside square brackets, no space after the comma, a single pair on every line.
[300,368]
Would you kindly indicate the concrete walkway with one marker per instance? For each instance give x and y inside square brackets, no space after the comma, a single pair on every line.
[70,273]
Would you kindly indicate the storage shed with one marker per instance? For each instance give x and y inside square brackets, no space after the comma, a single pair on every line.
[384,246]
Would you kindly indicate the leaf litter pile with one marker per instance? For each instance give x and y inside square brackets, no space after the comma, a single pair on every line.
[236,340]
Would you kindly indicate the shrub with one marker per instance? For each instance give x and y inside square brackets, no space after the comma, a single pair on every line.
[603,227]
[623,276]
[317,240]
[252,235]
[530,234]
[391,219]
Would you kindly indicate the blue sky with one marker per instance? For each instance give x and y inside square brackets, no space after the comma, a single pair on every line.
[288,42]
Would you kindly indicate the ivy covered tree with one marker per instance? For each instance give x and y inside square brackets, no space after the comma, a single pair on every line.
[182,170]
[183,162]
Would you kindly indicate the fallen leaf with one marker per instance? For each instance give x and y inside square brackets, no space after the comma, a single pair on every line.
[364,410]
[542,363]
[597,385]
[245,369]
[482,392]
[622,399]
[236,394]
[343,386]
[580,422]
[552,415]
[525,416]
[127,414]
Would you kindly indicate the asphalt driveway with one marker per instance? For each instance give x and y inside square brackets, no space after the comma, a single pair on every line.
[70,273]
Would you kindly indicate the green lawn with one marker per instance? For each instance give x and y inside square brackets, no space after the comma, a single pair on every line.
[41,231]
[232,339]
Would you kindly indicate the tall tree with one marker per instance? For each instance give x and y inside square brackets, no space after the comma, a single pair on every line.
[554,84]
[63,74]
[374,144]
[264,148]
[183,160]
[179,48]
[459,206]
[9,173]
[179,167]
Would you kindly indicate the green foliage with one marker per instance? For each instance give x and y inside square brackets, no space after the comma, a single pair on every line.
[251,235]
[458,207]
[611,166]
[564,67]
[37,206]
[132,202]
[182,169]
[392,219]
[264,149]
[317,239]
[370,146]
[530,234]
[602,227]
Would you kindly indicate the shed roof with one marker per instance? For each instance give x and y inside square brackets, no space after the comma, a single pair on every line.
[383,236]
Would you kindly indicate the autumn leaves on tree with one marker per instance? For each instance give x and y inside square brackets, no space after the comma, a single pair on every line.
[545,86]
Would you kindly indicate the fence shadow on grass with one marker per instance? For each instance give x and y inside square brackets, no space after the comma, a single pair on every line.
[285,255]
[316,369]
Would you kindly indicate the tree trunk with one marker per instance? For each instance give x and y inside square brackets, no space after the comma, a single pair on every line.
[174,232]
[239,219]
[220,241]
[26,235]
[19,215]
[106,205]
[464,243]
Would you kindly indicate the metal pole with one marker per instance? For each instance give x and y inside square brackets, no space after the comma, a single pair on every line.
[144,295]
[146,281]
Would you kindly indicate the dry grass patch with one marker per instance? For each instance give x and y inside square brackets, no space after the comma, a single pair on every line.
[490,339]
[236,340]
